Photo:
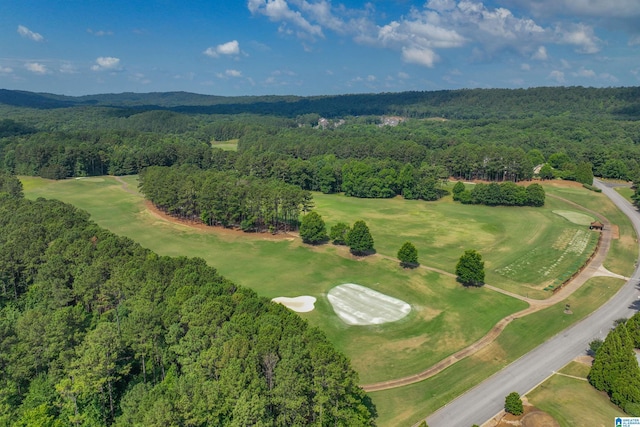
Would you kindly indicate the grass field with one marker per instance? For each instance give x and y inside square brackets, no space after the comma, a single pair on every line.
[574,402]
[231,145]
[445,316]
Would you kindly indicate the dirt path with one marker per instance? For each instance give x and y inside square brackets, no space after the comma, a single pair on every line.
[593,268]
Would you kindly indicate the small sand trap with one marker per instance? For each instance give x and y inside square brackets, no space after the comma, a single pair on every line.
[303,304]
[359,305]
[575,217]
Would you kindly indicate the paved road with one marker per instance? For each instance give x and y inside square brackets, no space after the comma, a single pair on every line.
[487,399]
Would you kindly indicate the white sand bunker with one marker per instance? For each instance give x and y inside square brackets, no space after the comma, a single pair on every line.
[575,217]
[303,304]
[359,305]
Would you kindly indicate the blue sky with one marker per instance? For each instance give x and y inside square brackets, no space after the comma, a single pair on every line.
[315,47]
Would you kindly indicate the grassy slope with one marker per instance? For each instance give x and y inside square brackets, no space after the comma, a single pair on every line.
[453,315]
[573,402]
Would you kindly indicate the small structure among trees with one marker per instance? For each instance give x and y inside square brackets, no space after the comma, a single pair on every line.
[470,268]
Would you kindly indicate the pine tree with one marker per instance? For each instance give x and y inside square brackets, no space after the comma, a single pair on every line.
[408,255]
[359,239]
[312,228]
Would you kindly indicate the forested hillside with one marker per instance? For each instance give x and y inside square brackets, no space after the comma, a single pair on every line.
[97,331]
[332,143]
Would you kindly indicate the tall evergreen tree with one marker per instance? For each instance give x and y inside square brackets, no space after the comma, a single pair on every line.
[408,255]
[359,239]
[313,229]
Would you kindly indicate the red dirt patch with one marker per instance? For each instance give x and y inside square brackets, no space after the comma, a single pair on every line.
[532,417]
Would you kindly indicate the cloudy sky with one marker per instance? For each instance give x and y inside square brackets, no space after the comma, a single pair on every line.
[314,47]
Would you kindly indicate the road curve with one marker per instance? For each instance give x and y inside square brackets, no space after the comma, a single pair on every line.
[487,399]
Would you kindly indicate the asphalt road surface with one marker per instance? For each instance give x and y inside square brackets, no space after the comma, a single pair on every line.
[487,399]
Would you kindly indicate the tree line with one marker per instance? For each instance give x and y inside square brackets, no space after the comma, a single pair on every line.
[225,198]
[615,368]
[95,330]
[505,194]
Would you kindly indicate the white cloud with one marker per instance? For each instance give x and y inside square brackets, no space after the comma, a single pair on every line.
[279,11]
[525,67]
[635,40]
[229,48]
[579,35]
[421,56]
[565,64]
[229,73]
[99,33]
[585,73]
[104,63]
[28,34]
[67,68]
[556,75]
[36,67]
[582,8]
[403,75]
[540,54]
[5,70]
[608,77]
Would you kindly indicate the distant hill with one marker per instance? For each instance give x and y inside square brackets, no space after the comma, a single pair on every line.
[621,103]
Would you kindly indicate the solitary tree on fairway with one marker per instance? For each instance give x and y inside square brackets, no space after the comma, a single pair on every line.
[513,404]
[408,255]
[359,239]
[470,268]
[313,229]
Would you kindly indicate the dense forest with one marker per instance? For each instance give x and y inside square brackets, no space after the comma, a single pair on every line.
[97,331]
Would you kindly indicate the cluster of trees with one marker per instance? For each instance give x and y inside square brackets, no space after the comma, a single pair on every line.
[505,194]
[225,198]
[97,331]
[615,368]
[313,231]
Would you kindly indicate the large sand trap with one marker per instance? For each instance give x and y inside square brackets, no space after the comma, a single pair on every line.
[575,217]
[303,304]
[359,305]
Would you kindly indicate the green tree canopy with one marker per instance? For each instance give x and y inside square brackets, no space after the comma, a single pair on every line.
[513,404]
[338,233]
[408,255]
[313,229]
[359,239]
[470,268]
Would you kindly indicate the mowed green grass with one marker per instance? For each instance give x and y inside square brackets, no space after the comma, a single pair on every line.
[524,249]
[231,145]
[574,402]
[445,315]
[407,405]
